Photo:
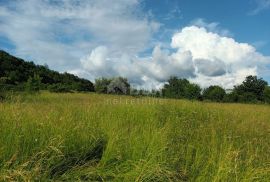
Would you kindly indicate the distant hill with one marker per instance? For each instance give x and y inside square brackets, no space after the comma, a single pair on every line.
[15,72]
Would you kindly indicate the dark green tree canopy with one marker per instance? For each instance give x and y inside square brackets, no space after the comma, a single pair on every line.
[33,84]
[266,94]
[181,88]
[214,93]
[251,89]
[15,72]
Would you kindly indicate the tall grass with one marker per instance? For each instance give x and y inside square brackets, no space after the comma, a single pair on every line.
[89,137]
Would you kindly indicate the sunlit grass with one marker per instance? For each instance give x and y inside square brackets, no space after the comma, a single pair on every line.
[89,137]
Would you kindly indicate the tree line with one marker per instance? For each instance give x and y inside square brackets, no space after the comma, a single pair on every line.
[252,90]
[19,75]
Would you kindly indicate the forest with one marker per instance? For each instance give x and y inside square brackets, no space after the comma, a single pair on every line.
[19,75]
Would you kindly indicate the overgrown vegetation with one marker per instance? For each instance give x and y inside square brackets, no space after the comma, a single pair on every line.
[94,137]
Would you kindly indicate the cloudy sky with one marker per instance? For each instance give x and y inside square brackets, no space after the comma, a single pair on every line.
[147,41]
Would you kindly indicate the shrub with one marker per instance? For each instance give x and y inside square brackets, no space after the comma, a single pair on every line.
[59,88]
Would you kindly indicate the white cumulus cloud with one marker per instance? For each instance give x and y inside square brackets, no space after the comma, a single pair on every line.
[203,57]
[96,38]
[60,32]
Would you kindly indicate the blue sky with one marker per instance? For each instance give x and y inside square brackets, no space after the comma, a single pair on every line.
[235,15]
[147,41]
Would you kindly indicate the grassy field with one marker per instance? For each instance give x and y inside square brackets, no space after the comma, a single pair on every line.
[89,137]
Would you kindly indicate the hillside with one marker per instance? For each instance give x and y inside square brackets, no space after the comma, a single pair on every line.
[15,72]
[91,137]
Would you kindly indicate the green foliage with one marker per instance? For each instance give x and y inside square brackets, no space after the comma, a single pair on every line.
[214,93]
[18,75]
[134,92]
[231,97]
[4,80]
[59,88]
[175,88]
[181,88]
[266,94]
[146,93]
[2,96]
[33,84]
[251,90]
[193,91]
[16,71]
[157,94]
[101,85]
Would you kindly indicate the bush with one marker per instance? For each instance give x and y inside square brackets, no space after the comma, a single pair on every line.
[59,88]
[248,97]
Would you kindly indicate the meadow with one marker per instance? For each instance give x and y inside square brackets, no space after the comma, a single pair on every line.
[91,137]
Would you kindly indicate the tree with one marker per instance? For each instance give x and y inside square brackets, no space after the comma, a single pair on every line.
[181,88]
[214,93]
[101,85]
[134,92]
[119,86]
[193,91]
[155,93]
[175,88]
[2,96]
[231,97]
[33,83]
[266,94]
[251,90]
[18,72]
[13,77]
